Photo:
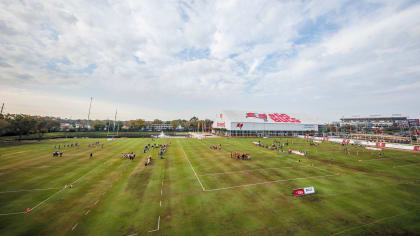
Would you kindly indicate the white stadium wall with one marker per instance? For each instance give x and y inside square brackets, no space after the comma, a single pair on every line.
[273,126]
[271,123]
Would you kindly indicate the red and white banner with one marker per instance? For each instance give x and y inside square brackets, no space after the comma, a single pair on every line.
[303,191]
[298,192]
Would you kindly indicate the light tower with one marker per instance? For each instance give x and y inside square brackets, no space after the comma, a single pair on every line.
[90,106]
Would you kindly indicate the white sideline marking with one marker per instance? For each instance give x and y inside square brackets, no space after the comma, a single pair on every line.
[96,202]
[250,170]
[185,155]
[269,182]
[74,226]
[63,189]
[28,190]
[132,235]
[13,213]
[407,165]
[87,212]
[24,168]
[160,204]
[384,158]
[157,227]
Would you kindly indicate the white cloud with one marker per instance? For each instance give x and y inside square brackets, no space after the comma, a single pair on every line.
[253,55]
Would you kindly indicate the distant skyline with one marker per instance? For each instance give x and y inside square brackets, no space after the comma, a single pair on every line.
[176,59]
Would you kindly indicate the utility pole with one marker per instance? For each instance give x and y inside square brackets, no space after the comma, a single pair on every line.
[2,106]
[90,105]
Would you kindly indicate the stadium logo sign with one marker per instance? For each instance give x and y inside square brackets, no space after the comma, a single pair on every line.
[220,124]
[276,117]
[240,125]
[256,115]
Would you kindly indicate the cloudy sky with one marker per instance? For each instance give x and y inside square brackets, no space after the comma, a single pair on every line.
[174,59]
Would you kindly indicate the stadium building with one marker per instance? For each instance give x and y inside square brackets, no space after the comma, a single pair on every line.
[248,124]
[376,121]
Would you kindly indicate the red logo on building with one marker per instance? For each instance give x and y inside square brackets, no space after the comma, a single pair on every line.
[240,125]
[276,117]
[283,118]
[256,115]
[220,124]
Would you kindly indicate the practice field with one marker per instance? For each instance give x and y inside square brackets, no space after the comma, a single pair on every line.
[196,190]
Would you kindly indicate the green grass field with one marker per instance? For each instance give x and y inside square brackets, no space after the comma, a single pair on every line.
[355,194]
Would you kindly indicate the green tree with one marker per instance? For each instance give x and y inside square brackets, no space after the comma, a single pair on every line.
[22,124]
[135,124]
[41,126]
[98,125]
[4,126]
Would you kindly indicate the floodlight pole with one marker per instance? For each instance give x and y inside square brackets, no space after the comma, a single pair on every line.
[90,105]
[107,127]
[2,106]
[115,118]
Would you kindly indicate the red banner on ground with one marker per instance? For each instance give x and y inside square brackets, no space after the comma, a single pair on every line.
[298,192]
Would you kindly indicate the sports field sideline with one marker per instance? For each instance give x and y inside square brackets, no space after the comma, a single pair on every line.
[199,191]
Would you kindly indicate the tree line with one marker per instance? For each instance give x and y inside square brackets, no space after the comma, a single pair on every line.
[20,124]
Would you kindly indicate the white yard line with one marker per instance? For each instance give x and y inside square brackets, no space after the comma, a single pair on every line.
[89,172]
[87,212]
[46,199]
[28,190]
[39,204]
[185,155]
[269,182]
[251,170]
[74,226]
[158,226]
[96,202]
[374,222]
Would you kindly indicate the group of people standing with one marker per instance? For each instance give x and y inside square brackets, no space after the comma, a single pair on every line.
[240,156]
[214,147]
[66,145]
[130,155]
[96,144]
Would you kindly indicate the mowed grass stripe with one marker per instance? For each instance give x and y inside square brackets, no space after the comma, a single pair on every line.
[71,173]
[128,194]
